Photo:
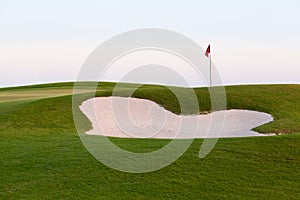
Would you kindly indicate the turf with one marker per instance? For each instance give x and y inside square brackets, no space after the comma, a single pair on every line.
[42,157]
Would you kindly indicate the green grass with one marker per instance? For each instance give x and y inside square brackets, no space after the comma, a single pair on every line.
[42,157]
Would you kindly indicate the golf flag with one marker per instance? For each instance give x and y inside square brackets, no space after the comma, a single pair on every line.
[207,54]
[207,51]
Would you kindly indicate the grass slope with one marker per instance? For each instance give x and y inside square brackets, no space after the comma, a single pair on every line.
[43,158]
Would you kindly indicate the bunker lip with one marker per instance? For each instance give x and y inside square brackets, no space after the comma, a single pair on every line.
[140,118]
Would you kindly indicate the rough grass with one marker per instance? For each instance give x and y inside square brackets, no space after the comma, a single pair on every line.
[42,157]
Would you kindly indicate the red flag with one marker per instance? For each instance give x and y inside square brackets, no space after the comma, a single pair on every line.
[207,51]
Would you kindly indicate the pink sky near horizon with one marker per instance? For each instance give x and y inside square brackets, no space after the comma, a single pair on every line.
[252,42]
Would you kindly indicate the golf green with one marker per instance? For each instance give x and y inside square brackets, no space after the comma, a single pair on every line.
[42,156]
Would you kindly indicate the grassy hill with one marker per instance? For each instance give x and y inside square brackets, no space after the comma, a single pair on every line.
[42,156]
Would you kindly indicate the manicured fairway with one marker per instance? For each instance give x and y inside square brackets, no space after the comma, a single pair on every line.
[42,156]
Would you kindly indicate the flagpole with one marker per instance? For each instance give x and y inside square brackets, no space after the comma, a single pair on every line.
[208,54]
[210,74]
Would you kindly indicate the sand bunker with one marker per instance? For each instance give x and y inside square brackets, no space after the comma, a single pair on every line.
[140,118]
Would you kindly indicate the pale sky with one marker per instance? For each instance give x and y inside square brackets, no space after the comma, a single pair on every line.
[253,41]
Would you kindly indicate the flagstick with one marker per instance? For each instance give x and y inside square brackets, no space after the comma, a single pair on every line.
[210,74]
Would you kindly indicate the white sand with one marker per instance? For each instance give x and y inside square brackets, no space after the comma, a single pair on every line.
[139,118]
